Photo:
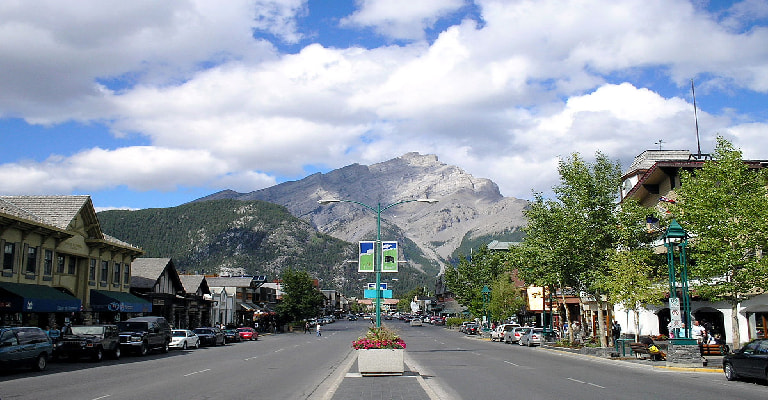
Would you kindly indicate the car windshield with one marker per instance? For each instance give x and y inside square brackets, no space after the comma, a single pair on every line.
[203,331]
[87,330]
[132,326]
[179,333]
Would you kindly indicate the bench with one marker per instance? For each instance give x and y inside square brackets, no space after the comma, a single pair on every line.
[713,349]
[641,348]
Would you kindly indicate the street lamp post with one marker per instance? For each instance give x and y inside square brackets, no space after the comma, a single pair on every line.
[677,238]
[377,257]
[486,299]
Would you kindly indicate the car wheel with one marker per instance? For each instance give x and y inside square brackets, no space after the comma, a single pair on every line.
[41,362]
[197,344]
[144,349]
[98,355]
[730,374]
[116,353]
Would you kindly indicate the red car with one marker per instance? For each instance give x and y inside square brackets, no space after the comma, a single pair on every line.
[248,333]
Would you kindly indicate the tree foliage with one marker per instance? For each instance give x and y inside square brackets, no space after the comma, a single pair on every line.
[301,299]
[467,279]
[724,206]
[506,300]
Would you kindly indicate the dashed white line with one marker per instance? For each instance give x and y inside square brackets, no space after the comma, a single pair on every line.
[197,372]
[511,363]
[586,383]
[575,380]
[250,358]
[103,397]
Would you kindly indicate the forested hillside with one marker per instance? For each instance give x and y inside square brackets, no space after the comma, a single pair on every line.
[259,237]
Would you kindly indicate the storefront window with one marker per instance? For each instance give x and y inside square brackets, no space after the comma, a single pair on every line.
[761,323]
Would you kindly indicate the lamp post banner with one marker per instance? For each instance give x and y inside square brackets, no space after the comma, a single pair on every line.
[389,256]
[366,257]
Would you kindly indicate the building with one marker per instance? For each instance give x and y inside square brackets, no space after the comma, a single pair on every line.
[651,180]
[59,267]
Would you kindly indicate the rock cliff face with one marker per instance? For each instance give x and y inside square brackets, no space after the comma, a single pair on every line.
[468,207]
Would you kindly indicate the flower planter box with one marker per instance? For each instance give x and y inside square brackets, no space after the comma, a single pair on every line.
[374,362]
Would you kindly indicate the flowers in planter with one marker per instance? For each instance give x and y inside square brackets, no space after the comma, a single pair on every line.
[379,338]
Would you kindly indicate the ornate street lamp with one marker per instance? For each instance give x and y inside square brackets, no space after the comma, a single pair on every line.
[379,249]
[676,238]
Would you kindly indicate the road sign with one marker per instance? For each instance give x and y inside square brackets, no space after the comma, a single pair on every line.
[676,318]
[371,294]
[365,256]
[382,285]
[389,257]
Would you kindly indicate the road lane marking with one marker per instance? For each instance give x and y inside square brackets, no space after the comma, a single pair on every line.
[197,372]
[590,383]
[575,380]
[250,358]
[279,350]
[586,383]
[516,365]
[103,397]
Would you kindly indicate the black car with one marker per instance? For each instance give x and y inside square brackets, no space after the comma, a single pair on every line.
[751,361]
[211,336]
[92,341]
[231,335]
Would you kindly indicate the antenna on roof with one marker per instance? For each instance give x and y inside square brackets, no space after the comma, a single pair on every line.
[696,118]
[659,143]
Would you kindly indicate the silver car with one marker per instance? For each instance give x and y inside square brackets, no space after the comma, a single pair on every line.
[515,334]
[532,338]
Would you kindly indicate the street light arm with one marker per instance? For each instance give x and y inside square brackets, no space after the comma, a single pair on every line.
[330,201]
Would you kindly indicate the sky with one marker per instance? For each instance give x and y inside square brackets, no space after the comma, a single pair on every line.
[146,103]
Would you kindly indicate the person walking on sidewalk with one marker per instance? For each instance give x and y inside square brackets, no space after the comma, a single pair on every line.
[318,329]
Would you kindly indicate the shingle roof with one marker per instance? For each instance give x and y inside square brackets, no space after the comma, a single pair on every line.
[146,271]
[230,281]
[191,282]
[58,211]
[648,158]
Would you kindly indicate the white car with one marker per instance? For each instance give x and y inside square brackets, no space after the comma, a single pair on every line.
[501,330]
[184,339]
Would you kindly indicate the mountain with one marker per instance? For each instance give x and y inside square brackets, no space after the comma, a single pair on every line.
[243,237]
[470,211]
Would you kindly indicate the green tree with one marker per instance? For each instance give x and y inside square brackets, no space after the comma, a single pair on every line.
[506,300]
[635,278]
[570,239]
[467,279]
[301,299]
[725,208]
[404,304]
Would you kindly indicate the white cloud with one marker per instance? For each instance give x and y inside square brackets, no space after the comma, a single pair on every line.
[401,19]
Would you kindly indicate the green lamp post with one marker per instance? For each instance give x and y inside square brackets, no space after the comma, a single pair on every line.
[486,292]
[378,250]
[676,240]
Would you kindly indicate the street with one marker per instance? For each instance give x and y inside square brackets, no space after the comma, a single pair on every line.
[293,366]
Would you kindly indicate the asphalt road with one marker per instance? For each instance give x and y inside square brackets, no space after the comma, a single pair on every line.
[299,366]
[283,366]
[457,366]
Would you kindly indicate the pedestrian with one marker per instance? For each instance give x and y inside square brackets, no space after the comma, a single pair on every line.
[306,327]
[318,330]
[698,332]
[615,331]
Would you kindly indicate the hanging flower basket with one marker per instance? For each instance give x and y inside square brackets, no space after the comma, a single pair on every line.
[380,352]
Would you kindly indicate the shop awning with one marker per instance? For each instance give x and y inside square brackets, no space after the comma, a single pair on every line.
[248,306]
[20,297]
[104,300]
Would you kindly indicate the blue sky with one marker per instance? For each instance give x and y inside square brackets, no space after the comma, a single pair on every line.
[153,104]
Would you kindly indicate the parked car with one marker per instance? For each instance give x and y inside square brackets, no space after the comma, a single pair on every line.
[416,322]
[501,330]
[515,334]
[352,317]
[211,336]
[232,335]
[93,341]
[184,339]
[471,329]
[142,334]
[750,361]
[247,333]
[532,337]
[24,347]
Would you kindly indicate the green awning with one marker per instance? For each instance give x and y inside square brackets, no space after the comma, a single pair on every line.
[104,300]
[21,297]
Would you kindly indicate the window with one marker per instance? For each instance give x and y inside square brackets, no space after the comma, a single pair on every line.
[127,274]
[72,265]
[60,260]
[31,260]
[8,255]
[48,263]
[104,271]
[116,274]
[92,270]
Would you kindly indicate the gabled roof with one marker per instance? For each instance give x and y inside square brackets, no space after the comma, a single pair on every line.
[58,211]
[145,272]
[192,283]
[230,281]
